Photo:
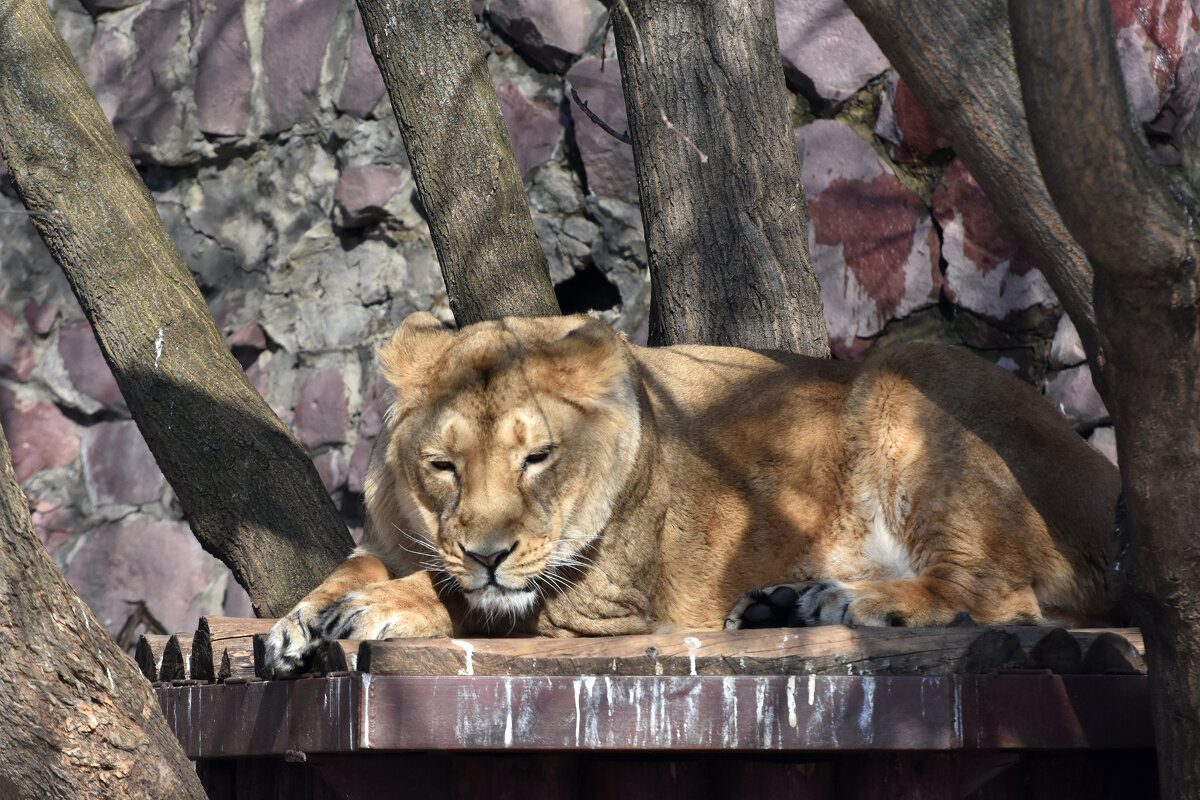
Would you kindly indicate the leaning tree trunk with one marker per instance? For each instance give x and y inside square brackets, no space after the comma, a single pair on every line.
[719,175]
[957,57]
[80,719]
[462,158]
[249,490]
[1140,234]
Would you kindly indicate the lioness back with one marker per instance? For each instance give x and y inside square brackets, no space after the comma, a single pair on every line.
[544,475]
[927,481]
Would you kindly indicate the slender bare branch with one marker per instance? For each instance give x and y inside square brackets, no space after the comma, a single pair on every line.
[604,126]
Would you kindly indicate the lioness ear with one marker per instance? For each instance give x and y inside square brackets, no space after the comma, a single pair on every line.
[585,363]
[406,360]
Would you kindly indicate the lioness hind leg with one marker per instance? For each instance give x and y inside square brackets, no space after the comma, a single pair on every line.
[915,602]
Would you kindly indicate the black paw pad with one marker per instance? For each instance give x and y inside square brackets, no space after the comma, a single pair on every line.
[774,610]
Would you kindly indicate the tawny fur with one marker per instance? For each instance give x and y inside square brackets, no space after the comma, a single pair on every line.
[633,488]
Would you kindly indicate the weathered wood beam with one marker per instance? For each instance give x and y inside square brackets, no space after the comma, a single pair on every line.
[827,650]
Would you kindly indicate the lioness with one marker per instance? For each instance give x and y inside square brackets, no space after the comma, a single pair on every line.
[546,476]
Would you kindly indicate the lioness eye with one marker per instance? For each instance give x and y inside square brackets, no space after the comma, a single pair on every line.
[442,465]
[536,457]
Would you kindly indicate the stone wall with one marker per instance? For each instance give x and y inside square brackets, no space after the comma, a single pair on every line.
[263,131]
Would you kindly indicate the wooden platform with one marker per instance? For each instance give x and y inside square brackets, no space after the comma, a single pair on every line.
[820,712]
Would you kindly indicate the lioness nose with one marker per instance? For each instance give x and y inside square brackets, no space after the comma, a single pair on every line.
[493,559]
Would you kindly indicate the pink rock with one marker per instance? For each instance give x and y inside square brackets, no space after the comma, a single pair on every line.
[41,317]
[16,353]
[379,397]
[54,523]
[532,126]
[1072,392]
[824,42]
[903,123]
[295,34]
[607,162]
[550,32]
[986,270]
[375,404]
[249,335]
[321,414]
[331,466]
[362,193]
[360,459]
[86,366]
[872,241]
[133,78]
[363,88]
[118,467]
[223,75]
[38,434]
[1155,38]
[140,558]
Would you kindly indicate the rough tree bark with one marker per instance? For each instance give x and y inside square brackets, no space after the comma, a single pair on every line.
[1140,235]
[727,232]
[957,57]
[249,490]
[80,719]
[462,158]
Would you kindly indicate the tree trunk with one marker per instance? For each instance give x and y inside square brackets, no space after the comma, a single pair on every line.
[80,720]
[249,490]
[956,56]
[1140,235]
[462,158]
[725,216]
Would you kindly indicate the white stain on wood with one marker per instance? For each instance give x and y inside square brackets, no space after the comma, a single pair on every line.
[692,645]
[469,651]
[791,701]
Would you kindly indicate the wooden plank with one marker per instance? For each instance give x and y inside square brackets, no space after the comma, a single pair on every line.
[826,650]
[149,654]
[362,711]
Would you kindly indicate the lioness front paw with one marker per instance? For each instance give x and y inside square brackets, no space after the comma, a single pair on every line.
[363,615]
[291,642]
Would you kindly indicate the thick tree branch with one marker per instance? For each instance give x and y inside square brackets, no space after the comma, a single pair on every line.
[956,56]
[249,490]
[80,720]
[1140,235]
[462,158]
[726,233]
[1089,141]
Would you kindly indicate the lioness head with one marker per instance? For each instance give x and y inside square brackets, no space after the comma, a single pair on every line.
[512,441]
